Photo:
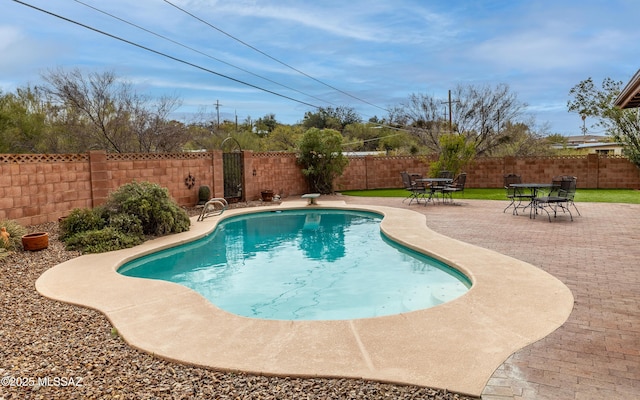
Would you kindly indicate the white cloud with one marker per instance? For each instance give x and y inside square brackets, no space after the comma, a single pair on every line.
[9,37]
[24,56]
[179,84]
[539,49]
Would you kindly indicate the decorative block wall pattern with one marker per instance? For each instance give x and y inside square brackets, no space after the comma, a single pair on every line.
[38,188]
[181,173]
[273,171]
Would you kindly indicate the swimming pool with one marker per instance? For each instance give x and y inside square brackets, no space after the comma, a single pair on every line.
[305,265]
[425,347]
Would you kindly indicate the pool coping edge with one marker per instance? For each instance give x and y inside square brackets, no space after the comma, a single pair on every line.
[510,305]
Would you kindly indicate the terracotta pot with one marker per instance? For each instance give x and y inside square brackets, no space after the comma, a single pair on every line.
[35,241]
[267,195]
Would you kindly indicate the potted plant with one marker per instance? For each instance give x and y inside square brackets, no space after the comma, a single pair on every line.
[204,194]
[35,241]
[267,195]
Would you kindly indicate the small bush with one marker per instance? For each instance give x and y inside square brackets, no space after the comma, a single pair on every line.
[81,220]
[127,224]
[204,194]
[151,204]
[130,213]
[16,231]
[100,241]
[455,154]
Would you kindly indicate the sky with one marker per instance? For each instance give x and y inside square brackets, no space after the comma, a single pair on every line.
[249,58]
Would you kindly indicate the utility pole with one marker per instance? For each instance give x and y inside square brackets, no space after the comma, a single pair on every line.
[450,121]
[450,118]
[218,111]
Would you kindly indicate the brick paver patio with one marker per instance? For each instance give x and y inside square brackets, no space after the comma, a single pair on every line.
[596,353]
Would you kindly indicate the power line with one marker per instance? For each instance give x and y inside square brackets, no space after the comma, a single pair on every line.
[198,51]
[164,54]
[370,140]
[273,58]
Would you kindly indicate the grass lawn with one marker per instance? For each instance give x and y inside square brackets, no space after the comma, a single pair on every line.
[582,195]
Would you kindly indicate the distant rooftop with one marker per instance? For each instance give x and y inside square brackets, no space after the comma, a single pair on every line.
[580,139]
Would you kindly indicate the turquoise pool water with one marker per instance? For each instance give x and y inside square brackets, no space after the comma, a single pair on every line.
[304,265]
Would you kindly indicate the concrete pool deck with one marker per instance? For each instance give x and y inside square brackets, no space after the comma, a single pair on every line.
[595,354]
[455,346]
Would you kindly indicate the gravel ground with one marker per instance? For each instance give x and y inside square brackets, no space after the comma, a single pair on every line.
[76,349]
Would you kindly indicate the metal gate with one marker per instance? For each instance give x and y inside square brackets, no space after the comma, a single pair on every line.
[233,168]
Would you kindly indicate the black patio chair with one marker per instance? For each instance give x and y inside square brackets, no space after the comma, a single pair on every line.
[457,186]
[560,197]
[415,188]
[438,187]
[571,195]
[516,195]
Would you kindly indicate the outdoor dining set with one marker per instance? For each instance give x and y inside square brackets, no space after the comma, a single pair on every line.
[557,195]
[532,197]
[430,190]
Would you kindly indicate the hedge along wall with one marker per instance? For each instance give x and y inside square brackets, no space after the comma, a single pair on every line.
[38,188]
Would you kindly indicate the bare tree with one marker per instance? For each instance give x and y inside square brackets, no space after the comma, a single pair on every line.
[101,111]
[153,128]
[422,116]
[480,114]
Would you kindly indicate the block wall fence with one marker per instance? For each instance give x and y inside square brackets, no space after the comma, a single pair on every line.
[39,188]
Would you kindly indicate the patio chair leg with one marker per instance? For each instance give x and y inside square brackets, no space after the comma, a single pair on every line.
[567,210]
[533,209]
[574,206]
[512,204]
[541,207]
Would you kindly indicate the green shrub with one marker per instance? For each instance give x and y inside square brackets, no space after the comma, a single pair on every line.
[127,224]
[16,231]
[151,204]
[130,213]
[81,220]
[455,155]
[320,154]
[204,194]
[100,241]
